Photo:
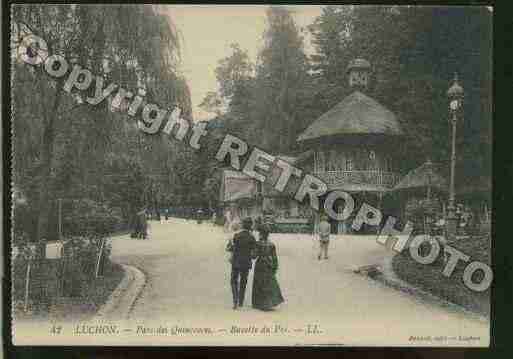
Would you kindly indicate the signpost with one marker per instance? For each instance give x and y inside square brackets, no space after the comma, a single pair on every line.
[52,251]
[59,201]
[27,283]
[99,258]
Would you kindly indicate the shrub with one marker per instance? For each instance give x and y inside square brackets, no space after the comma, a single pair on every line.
[19,268]
[79,263]
[429,277]
[86,225]
[88,217]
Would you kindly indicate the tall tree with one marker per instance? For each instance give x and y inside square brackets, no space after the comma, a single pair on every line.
[281,73]
[331,37]
[415,51]
[212,103]
[126,44]
[235,76]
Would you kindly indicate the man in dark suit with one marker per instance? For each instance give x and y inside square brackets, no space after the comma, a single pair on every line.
[243,248]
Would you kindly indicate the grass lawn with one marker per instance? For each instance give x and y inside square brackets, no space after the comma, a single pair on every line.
[430,278]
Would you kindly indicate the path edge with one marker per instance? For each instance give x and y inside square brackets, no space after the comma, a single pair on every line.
[122,300]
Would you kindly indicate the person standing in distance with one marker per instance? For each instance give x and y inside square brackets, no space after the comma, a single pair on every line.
[324,237]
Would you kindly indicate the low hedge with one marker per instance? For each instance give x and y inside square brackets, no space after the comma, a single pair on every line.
[429,277]
[291,228]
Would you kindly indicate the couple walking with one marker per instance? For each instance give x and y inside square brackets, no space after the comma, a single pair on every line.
[266,292]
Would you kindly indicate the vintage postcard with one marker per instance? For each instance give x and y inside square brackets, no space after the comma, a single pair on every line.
[251,175]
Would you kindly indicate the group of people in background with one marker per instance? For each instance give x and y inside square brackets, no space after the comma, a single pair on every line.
[184,212]
[468,223]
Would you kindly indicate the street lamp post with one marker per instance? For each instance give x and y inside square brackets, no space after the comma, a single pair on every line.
[455,95]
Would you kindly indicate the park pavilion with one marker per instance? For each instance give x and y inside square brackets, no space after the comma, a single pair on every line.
[356,146]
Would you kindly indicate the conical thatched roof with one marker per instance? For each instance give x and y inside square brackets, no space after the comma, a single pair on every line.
[356,114]
[425,175]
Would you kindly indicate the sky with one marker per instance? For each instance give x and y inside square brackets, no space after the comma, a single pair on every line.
[207,32]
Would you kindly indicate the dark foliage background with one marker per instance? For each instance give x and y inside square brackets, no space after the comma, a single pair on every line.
[414,50]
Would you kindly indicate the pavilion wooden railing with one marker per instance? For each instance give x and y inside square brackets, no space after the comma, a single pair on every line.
[373,177]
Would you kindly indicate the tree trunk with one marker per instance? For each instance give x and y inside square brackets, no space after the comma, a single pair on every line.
[46,166]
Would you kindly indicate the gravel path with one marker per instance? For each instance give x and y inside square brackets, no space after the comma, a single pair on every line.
[187,285]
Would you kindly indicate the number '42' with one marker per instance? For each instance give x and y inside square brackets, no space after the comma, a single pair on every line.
[56,329]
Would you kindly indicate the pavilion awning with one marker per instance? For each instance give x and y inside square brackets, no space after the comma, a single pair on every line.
[427,175]
[236,185]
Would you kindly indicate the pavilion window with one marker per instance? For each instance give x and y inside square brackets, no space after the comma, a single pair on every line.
[321,162]
[391,165]
[294,209]
[342,162]
[359,160]
[349,164]
[363,160]
[260,188]
[332,164]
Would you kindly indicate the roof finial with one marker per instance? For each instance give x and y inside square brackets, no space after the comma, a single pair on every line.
[455,90]
[359,73]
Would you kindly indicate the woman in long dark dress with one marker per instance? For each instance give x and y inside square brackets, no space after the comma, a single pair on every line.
[266,291]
